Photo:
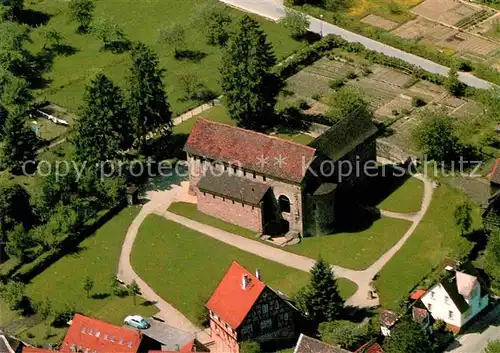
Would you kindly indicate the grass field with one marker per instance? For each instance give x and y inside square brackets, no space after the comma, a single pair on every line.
[190,211]
[184,266]
[395,10]
[140,21]
[98,258]
[356,251]
[406,198]
[436,238]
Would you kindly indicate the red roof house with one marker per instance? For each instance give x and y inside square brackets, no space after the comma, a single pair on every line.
[89,335]
[370,347]
[243,308]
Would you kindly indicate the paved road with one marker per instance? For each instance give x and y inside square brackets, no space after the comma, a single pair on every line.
[486,329]
[274,10]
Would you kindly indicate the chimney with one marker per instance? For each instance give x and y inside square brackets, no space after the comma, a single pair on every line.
[244,281]
[257,274]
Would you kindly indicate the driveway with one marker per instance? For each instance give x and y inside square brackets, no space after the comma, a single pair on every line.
[485,329]
[274,10]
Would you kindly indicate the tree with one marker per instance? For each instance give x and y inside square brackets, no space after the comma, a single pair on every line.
[493,347]
[148,106]
[347,334]
[14,293]
[250,347]
[51,38]
[104,127]
[15,209]
[492,261]
[44,308]
[347,101]
[173,35]
[437,137]
[20,243]
[133,290]
[463,217]
[15,94]
[296,22]
[14,57]
[453,83]
[320,299]
[212,20]
[88,284]
[81,12]
[334,5]
[111,34]
[13,8]
[19,144]
[116,288]
[248,82]
[407,336]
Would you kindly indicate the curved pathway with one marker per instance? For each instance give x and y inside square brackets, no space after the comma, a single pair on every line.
[158,203]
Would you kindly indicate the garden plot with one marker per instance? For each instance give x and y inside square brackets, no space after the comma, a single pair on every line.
[377,93]
[452,101]
[402,130]
[380,22]
[427,91]
[390,76]
[446,11]
[467,110]
[307,84]
[419,28]
[466,43]
[399,104]
[331,69]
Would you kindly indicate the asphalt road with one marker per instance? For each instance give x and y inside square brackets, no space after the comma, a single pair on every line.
[485,329]
[274,10]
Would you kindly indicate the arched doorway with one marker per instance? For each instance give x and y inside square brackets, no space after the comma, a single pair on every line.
[285,226]
[284,203]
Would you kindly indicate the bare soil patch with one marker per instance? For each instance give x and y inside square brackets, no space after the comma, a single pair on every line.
[379,22]
[445,11]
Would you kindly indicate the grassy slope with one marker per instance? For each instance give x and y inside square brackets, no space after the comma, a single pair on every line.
[436,237]
[98,259]
[184,266]
[407,198]
[70,73]
[354,250]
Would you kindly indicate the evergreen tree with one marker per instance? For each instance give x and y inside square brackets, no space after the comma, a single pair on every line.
[320,299]
[81,12]
[492,261]
[463,217]
[103,128]
[248,82]
[408,337]
[148,104]
[453,83]
[19,144]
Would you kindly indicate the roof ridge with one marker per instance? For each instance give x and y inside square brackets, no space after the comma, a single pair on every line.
[493,170]
[258,133]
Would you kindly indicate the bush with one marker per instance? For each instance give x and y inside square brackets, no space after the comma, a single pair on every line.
[418,102]
[62,317]
[302,104]
[316,96]
[336,84]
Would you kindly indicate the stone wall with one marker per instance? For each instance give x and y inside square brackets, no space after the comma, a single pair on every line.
[392,152]
[230,211]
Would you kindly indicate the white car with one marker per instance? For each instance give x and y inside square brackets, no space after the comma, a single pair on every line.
[137,321]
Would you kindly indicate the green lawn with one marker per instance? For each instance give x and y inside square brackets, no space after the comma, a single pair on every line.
[356,251]
[184,266]
[406,198]
[190,211]
[140,21]
[436,238]
[98,259]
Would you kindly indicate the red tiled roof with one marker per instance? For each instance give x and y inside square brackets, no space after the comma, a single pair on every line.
[191,346]
[99,337]
[370,347]
[230,301]
[36,350]
[417,294]
[249,149]
[494,175]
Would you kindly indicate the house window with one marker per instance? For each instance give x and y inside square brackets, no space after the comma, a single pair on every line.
[450,314]
[429,306]
[254,175]
[235,169]
[284,203]
[233,202]
[265,308]
[433,295]
[244,173]
[447,300]
[265,324]
[264,178]
[213,196]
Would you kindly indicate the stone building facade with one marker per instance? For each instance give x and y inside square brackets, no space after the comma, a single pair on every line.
[271,185]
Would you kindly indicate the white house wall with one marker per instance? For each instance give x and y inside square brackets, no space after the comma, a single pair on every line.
[439,309]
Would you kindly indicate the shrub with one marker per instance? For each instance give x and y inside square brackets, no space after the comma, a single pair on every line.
[418,102]
[302,104]
[316,96]
[62,317]
[336,84]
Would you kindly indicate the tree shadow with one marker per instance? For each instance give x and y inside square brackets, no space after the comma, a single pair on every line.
[480,239]
[190,55]
[149,303]
[64,50]
[292,120]
[100,296]
[33,18]
[118,46]
[357,314]
[309,37]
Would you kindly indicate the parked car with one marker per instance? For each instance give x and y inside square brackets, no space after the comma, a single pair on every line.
[137,321]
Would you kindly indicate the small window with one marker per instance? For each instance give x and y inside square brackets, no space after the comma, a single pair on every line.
[213,196]
[84,329]
[450,314]
[447,300]
[91,332]
[105,336]
[235,169]
[129,344]
[264,178]
[265,308]
[112,338]
[204,193]
[429,306]
[121,341]
[233,202]
[254,175]
[98,334]
[244,173]
[433,295]
[284,203]
[223,199]
[242,205]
